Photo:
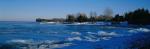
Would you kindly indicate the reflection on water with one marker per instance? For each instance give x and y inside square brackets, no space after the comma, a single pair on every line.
[32,35]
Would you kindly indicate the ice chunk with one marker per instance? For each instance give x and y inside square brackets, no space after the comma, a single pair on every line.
[60,45]
[74,38]
[48,44]
[91,39]
[76,33]
[20,41]
[139,30]
[106,38]
[91,33]
[102,33]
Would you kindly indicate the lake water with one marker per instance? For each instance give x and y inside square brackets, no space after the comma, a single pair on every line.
[33,35]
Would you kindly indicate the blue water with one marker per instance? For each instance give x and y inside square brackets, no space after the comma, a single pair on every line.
[33,35]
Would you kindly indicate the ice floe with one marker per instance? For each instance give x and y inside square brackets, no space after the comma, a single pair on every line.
[106,38]
[76,33]
[60,45]
[91,33]
[74,38]
[19,41]
[30,44]
[91,39]
[139,30]
[52,44]
[103,33]
[93,36]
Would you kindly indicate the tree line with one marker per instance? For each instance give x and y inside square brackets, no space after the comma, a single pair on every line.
[139,16]
[84,18]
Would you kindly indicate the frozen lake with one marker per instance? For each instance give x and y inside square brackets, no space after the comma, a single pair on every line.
[32,35]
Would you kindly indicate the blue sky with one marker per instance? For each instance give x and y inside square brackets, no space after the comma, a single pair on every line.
[28,10]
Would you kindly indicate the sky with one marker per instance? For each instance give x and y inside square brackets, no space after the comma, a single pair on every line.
[29,10]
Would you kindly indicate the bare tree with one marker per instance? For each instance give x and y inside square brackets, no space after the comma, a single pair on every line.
[93,14]
[108,14]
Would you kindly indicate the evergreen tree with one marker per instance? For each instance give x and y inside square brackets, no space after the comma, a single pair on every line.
[82,17]
[118,18]
[71,18]
[139,16]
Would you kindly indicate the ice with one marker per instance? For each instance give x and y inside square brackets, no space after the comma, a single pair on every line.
[87,38]
[76,33]
[106,38]
[103,33]
[139,30]
[93,36]
[19,41]
[60,45]
[74,38]
[47,44]
[91,33]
